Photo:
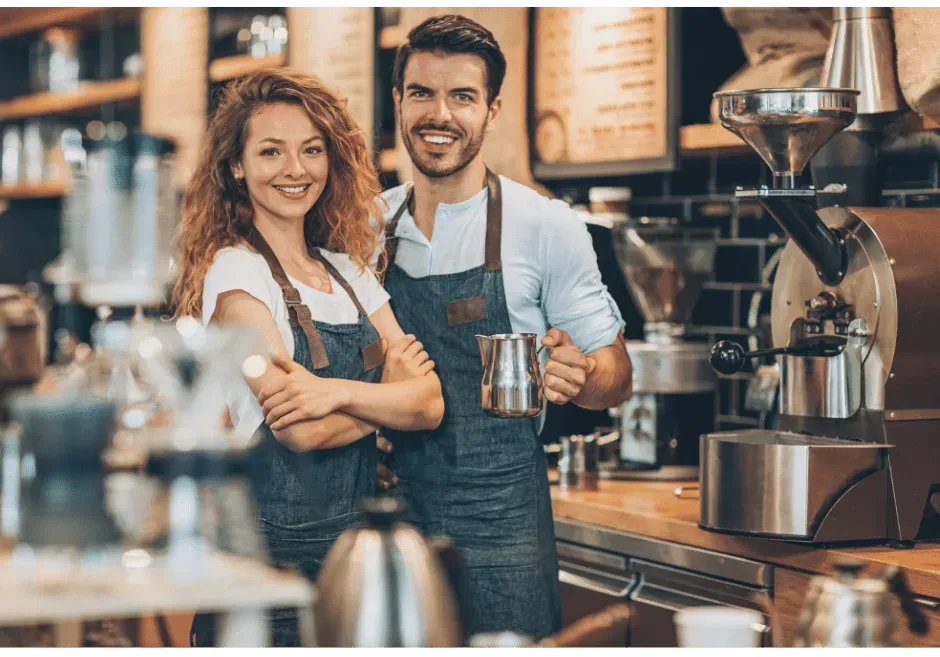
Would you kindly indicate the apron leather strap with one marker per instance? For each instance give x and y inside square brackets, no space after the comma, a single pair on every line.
[494,222]
[372,354]
[391,241]
[494,226]
[316,255]
[297,313]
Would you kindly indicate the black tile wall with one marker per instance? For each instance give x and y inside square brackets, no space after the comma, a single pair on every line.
[701,194]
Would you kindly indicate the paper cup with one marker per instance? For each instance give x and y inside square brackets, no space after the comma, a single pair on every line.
[719,627]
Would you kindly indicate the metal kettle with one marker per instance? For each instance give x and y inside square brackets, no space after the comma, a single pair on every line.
[849,611]
[512,380]
[382,586]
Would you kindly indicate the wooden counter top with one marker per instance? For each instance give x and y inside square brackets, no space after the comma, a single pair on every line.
[652,509]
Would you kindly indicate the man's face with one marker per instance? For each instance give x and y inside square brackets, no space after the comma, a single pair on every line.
[443,114]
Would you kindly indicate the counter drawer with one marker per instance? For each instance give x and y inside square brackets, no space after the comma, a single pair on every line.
[589,582]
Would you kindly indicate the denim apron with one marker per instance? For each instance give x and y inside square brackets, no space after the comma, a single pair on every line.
[481,481]
[305,500]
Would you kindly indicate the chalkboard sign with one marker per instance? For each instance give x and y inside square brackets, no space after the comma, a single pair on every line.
[605,91]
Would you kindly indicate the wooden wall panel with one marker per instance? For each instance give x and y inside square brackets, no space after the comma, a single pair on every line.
[337,44]
[175,50]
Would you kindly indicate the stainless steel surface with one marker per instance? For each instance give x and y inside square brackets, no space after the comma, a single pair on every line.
[587,555]
[665,266]
[777,483]
[786,126]
[861,56]
[512,381]
[868,287]
[821,386]
[847,611]
[634,546]
[594,581]
[667,378]
[706,588]
[678,367]
[382,586]
[578,462]
[638,419]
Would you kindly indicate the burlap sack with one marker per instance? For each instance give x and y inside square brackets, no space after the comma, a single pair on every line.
[917,40]
[785,46]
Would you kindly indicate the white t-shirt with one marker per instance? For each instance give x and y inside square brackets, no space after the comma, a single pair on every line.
[239,268]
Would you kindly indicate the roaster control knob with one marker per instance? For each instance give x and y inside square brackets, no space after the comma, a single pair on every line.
[727,357]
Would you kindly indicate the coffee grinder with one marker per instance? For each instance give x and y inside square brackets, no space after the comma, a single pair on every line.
[673,401]
[854,315]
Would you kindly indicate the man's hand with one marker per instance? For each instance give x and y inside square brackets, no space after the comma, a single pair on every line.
[405,359]
[567,369]
[299,396]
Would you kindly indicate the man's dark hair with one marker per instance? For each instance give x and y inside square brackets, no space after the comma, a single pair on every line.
[454,35]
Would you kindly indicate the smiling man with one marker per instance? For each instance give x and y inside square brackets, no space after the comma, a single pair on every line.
[468,253]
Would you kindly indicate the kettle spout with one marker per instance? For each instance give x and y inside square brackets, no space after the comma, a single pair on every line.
[485,342]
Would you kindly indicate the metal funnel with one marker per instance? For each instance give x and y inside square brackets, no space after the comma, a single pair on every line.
[861,55]
[787,126]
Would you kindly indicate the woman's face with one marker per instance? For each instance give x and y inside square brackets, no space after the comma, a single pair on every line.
[284,163]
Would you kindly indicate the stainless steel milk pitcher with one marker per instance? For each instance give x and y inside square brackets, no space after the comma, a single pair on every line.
[512,380]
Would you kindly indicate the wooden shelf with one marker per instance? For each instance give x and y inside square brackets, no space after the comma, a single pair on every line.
[50,189]
[20,20]
[88,94]
[229,68]
[392,37]
[710,139]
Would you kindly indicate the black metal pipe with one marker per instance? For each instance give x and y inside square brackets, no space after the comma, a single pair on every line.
[818,242]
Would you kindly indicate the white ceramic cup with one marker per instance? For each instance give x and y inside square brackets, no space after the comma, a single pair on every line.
[719,627]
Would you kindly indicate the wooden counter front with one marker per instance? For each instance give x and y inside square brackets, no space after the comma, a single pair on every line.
[652,509]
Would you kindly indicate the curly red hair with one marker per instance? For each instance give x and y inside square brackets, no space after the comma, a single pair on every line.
[216,209]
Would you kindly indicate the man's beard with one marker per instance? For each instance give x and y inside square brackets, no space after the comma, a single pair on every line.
[433,167]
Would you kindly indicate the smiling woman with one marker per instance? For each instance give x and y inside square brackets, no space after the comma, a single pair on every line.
[276,236]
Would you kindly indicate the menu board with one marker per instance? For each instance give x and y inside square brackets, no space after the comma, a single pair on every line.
[337,44]
[604,100]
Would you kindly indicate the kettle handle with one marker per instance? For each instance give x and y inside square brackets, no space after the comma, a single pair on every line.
[897,584]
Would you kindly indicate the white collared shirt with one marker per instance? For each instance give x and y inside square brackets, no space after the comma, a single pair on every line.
[550,272]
